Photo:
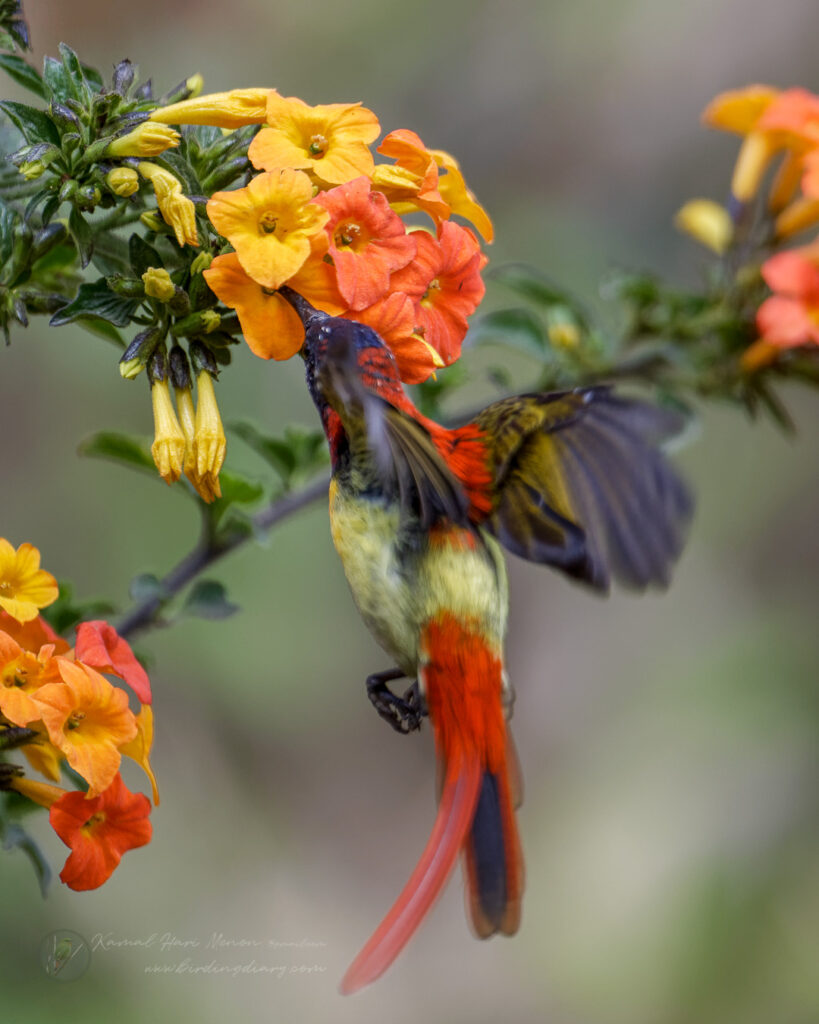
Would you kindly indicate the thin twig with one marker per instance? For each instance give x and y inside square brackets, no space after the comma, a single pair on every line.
[210,549]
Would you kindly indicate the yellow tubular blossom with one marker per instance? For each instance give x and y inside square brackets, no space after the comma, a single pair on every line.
[223,109]
[123,181]
[158,284]
[707,222]
[801,214]
[168,449]
[209,443]
[147,139]
[176,208]
[41,793]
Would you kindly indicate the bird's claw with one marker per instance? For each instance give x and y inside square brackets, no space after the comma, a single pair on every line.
[404,714]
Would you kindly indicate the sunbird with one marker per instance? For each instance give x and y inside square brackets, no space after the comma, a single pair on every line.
[418,514]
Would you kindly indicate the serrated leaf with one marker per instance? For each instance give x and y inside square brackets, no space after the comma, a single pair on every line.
[208,600]
[16,838]
[23,73]
[129,451]
[142,255]
[59,81]
[34,124]
[83,236]
[145,587]
[95,299]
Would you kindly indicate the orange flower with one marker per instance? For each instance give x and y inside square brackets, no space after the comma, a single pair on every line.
[269,223]
[24,586]
[331,141]
[367,241]
[270,325]
[445,282]
[412,182]
[99,831]
[393,319]
[139,748]
[22,673]
[461,199]
[88,719]
[33,634]
[99,646]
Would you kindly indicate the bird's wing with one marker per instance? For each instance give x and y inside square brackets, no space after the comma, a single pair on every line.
[580,483]
[409,467]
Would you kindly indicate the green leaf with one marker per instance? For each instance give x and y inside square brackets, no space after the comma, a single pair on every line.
[532,284]
[183,170]
[73,69]
[66,612]
[519,328]
[208,600]
[96,300]
[145,587]
[129,451]
[237,489]
[23,73]
[142,255]
[16,838]
[58,80]
[34,124]
[298,453]
[93,77]
[83,237]
[102,329]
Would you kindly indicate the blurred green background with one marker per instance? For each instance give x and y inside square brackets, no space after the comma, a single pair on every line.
[668,743]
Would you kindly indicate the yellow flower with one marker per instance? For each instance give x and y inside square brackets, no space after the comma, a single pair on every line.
[168,449]
[707,222]
[223,109]
[139,748]
[158,284]
[147,139]
[123,181]
[208,448]
[269,223]
[331,140]
[24,586]
[176,208]
[454,191]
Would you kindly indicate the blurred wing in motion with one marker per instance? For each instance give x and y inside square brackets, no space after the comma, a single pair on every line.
[580,483]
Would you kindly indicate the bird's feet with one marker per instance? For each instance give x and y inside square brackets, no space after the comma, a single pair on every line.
[404,714]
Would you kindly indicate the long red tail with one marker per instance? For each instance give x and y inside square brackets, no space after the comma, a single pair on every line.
[463,682]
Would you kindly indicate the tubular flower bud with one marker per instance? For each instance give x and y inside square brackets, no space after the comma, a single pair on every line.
[147,139]
[32,169]
[801,214]
[123,181]
[168,449]
[223,109]
[208,447]
[201,262]
[42,793]
[176,208]
[707,222]
[158,284]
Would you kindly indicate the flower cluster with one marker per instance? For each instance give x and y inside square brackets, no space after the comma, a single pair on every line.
[60,707]
[777,127]
[321,216]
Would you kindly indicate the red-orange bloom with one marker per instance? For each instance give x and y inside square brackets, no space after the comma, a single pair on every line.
[270,325]
[393,319]
[99,830]
[101,647]
[445,281]
[366,240]
[790,317]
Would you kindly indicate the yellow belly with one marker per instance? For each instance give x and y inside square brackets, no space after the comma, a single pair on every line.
[397,592]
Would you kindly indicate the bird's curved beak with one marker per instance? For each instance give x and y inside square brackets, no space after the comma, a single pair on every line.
[308,314]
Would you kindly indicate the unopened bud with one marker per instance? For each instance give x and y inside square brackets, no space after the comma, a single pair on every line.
[124,74]
[707,222]
[127,287]
[147,139]
[201,262]
[123,181]
[158,284]
[32,169]
[197,323]
[139,352]
[152,221]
